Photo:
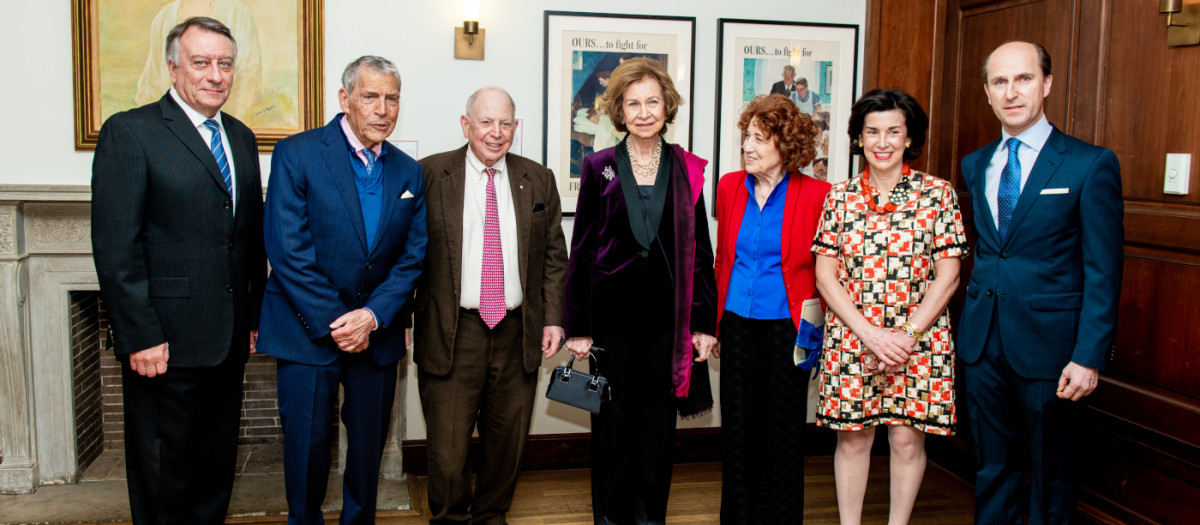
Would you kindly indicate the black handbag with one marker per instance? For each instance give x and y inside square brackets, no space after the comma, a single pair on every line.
[579,389]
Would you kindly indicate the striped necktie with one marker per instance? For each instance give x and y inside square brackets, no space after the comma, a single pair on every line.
[218,152]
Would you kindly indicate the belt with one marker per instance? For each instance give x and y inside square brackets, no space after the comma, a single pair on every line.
[475,311]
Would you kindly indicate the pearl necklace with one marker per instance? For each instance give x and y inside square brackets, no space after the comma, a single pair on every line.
[647,170]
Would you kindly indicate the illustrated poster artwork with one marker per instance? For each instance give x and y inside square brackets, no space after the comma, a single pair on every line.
[813,65]
[582,51]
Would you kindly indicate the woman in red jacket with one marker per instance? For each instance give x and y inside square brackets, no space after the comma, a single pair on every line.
[767,217]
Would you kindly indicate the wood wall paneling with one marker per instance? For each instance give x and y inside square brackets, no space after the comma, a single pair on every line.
[904,51]
[1150,102]
[1151,346]
[1118,85]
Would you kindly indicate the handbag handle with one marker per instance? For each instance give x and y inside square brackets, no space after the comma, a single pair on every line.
[593,360]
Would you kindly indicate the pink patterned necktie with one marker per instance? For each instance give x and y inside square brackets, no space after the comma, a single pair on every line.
[491,289]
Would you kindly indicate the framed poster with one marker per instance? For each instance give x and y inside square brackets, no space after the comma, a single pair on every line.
[815,65]
[581,50]
[120,63]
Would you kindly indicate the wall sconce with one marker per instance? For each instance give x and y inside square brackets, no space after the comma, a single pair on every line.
[468,39]
[1183,22]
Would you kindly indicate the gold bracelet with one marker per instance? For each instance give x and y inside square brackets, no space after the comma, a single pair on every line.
[910,330]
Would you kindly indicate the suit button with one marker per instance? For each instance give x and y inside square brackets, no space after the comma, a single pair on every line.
[358,295]
[644,253]
[231,247]
[785,269]
[368,266]
[989,293]
[229,288]
[226,205]
[1003,256]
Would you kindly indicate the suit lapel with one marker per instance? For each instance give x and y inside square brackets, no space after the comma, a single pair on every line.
[1047,163]
[391,188]
[452,214]
[519,186]
[342,175]
[179,124]
[241,163]
[984,210]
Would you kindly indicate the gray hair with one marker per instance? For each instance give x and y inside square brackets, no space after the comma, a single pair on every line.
[375,63]
[789,67]
[475,95]
[202,22]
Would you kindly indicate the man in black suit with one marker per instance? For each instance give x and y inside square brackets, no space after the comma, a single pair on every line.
[787,86]
[177,237]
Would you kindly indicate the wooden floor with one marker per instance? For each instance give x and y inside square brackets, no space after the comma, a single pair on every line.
[563,497]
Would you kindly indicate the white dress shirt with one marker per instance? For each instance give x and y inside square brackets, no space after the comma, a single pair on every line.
[1032,142]
[474,208]
[206,134]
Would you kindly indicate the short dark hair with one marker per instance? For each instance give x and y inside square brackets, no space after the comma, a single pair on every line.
[778,118]
[915,119]
[1043,57]
[202,22]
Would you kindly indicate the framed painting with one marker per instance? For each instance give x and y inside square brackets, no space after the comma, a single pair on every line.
[581,50]
[120,61]
[815,65]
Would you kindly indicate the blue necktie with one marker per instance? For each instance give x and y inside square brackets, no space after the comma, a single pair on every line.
[370,155]
[218,152]
[1010,187]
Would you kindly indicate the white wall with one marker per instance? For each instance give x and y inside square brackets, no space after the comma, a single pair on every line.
[37,94]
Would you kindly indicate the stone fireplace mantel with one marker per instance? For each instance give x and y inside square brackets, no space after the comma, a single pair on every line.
[45,254]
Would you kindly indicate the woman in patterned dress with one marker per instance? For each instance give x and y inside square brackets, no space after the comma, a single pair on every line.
[888,252]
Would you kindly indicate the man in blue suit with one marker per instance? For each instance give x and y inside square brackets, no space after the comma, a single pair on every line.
[345,235]
[1041,305]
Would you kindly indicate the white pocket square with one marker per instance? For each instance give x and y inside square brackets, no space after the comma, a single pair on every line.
[1056,191]
[408,194]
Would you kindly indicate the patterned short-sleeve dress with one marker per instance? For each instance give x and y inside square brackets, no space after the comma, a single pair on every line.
[885,263]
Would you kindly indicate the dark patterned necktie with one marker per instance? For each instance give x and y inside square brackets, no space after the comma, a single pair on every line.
[370,155]
[1010,188]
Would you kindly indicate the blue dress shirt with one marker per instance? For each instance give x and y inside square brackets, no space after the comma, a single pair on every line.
[756,288]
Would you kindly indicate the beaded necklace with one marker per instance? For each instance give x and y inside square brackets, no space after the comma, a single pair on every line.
[868,192]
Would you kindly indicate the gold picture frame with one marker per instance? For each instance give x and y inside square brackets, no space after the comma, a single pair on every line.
[110,45]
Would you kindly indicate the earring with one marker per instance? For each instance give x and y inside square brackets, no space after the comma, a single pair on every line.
[859,143]
[908,143]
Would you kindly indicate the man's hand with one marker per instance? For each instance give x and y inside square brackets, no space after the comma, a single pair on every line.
[704,344]
[151,361]
[352,330]
[552,337]
[1077,381]
[580,347]
[254,341]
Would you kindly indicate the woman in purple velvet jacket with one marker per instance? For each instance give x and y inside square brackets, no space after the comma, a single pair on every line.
[640,285]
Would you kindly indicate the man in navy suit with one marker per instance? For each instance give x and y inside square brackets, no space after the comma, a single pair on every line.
[345,235]
[1041,305]
[177,238]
